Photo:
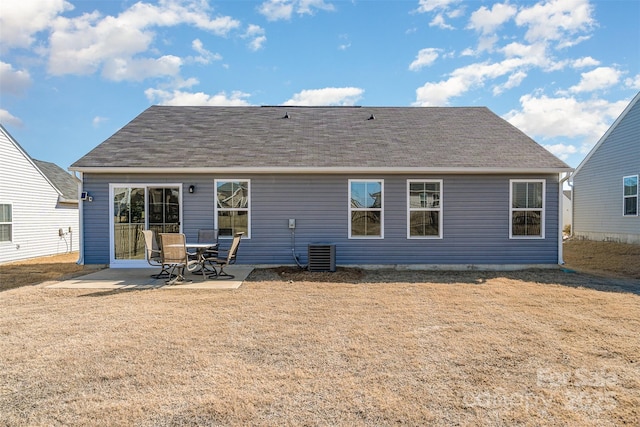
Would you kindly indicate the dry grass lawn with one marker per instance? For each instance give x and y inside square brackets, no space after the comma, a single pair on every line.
[539,347]
[38,270]
[616,259]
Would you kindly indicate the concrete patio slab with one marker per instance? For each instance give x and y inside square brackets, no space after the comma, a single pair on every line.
[140,278]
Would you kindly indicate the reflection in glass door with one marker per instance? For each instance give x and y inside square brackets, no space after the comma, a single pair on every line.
[139,208]
[128,221]
[164,210]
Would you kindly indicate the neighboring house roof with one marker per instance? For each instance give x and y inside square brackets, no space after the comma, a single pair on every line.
[607,133]
[60,181]
[66,183]
[319,139]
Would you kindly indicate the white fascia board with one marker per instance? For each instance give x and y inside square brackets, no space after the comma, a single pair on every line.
[318,170]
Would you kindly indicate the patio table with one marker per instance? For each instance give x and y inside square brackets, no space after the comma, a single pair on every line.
[201,248]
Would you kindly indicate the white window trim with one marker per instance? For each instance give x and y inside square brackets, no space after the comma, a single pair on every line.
[10,241]
[637,195]
[215,205]
[381,209]
[410,209]
[542,216]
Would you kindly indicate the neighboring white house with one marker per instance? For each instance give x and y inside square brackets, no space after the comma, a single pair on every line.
[567,209]
[38,205]
[606,184]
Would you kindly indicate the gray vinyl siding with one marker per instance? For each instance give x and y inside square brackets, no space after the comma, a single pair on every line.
[597,191]
[475,219]
[95,223]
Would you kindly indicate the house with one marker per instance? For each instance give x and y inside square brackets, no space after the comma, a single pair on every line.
[401,186]
[567,210]
[605,184]
[38,205]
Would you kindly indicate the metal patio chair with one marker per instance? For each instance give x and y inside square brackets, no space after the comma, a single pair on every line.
[174,255]
[154,255]
[229,259]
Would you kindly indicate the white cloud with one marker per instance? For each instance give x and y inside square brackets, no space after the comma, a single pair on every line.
[438,94]
[275,10]
[84,44]
[464,79]
[455,13]
[424,58]
[431,5]
[20,20]
[468,52]
[180,83]
[342,96]
[556,20]
[205,56]
[257,43]
[562,151]
[98,120]
[600,78]
[13,81]
[118,69]
[633,82]
[307,6]
[487,21]
[514,81]
[8,118]
[565,117]
[256,34]
[347,44]
[177,97]
[438,21]
[587,61]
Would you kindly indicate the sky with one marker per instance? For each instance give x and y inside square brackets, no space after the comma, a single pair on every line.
[73,72]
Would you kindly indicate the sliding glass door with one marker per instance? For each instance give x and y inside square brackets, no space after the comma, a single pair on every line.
[140,207]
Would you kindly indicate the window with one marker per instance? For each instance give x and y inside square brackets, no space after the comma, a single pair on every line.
[527,209]
[425,209]
[365,208]
[232,207]
[630,195]
[6,223]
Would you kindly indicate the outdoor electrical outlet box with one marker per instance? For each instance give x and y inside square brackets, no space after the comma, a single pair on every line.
[292,223]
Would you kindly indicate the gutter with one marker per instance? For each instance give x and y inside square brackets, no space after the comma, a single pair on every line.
[318,170]
[560,213]
[80,223]
[67,201]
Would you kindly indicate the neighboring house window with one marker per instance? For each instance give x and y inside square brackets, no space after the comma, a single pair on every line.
[630,196]
[6,223]
[365,208]
[527,208]
[425,209]
[232,207]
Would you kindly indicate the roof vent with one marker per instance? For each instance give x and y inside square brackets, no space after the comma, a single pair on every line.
[286,115]
[372,117]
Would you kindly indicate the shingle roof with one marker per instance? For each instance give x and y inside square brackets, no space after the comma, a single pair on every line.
[319,137]
[66,183]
